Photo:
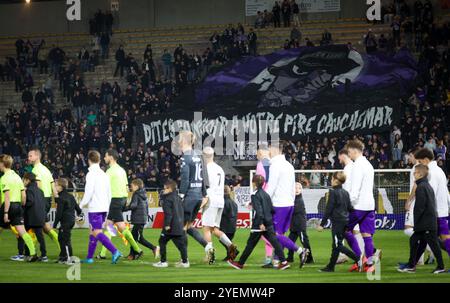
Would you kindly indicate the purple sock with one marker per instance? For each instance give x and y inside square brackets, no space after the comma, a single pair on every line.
[106,243]
[92,246]
[447,246]
[351,240]
[287,243]
[368,246]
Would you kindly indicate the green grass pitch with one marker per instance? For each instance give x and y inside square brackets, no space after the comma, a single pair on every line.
[393,243]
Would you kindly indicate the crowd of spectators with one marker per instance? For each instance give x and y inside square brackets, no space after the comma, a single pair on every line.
[412,26]
[104,116]
[180,67]
[286,11]
[425,123]
[100,27]
[233,43]
[19,68]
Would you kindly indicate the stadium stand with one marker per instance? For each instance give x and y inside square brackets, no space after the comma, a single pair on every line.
[108,104]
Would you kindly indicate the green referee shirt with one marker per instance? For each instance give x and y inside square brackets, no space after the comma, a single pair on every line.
[118,180]
[44,175]
[2,197]
[11,182]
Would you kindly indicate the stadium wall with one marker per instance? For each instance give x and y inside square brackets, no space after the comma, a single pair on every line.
[49,16]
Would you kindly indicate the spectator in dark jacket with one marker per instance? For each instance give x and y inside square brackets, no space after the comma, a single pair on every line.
[104,43]
[295,13]
[34,213]
[139,217]
[109,21]
[173,228]
[120,61]
[66,206]
[252,42]
[370,42]
[276,14]
[229,217]
[27,96]
[326,38]
[262,225]
[298,224]
[338,208]
[425,223]
[286,12]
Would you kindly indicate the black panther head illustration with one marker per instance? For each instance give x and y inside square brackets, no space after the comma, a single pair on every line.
[302,79]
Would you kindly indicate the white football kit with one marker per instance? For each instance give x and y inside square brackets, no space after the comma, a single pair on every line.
[348,182]
[409,215]
[212,213]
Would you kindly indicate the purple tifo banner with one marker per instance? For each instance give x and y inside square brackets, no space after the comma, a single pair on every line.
[308,74]
[382,221]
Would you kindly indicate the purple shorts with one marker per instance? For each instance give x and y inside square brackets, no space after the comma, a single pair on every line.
[282,219]
[365,219]
[442,223]
[96,220]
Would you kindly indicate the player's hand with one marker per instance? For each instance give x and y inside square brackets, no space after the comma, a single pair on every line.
[167,228]
[5,218]
[205,201]
[262,227]
[407,205]
[319,228]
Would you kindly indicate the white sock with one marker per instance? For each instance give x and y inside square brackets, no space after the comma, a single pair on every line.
[225,240]
[408,231]
[300,250]
[421,259]
[360,240]
[208,246]
[429,250]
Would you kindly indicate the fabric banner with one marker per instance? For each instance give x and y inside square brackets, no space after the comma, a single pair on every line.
[305,6]
[307,75]
[307,91]
[317,121]
[114,5]
[252,7]
[319,6]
